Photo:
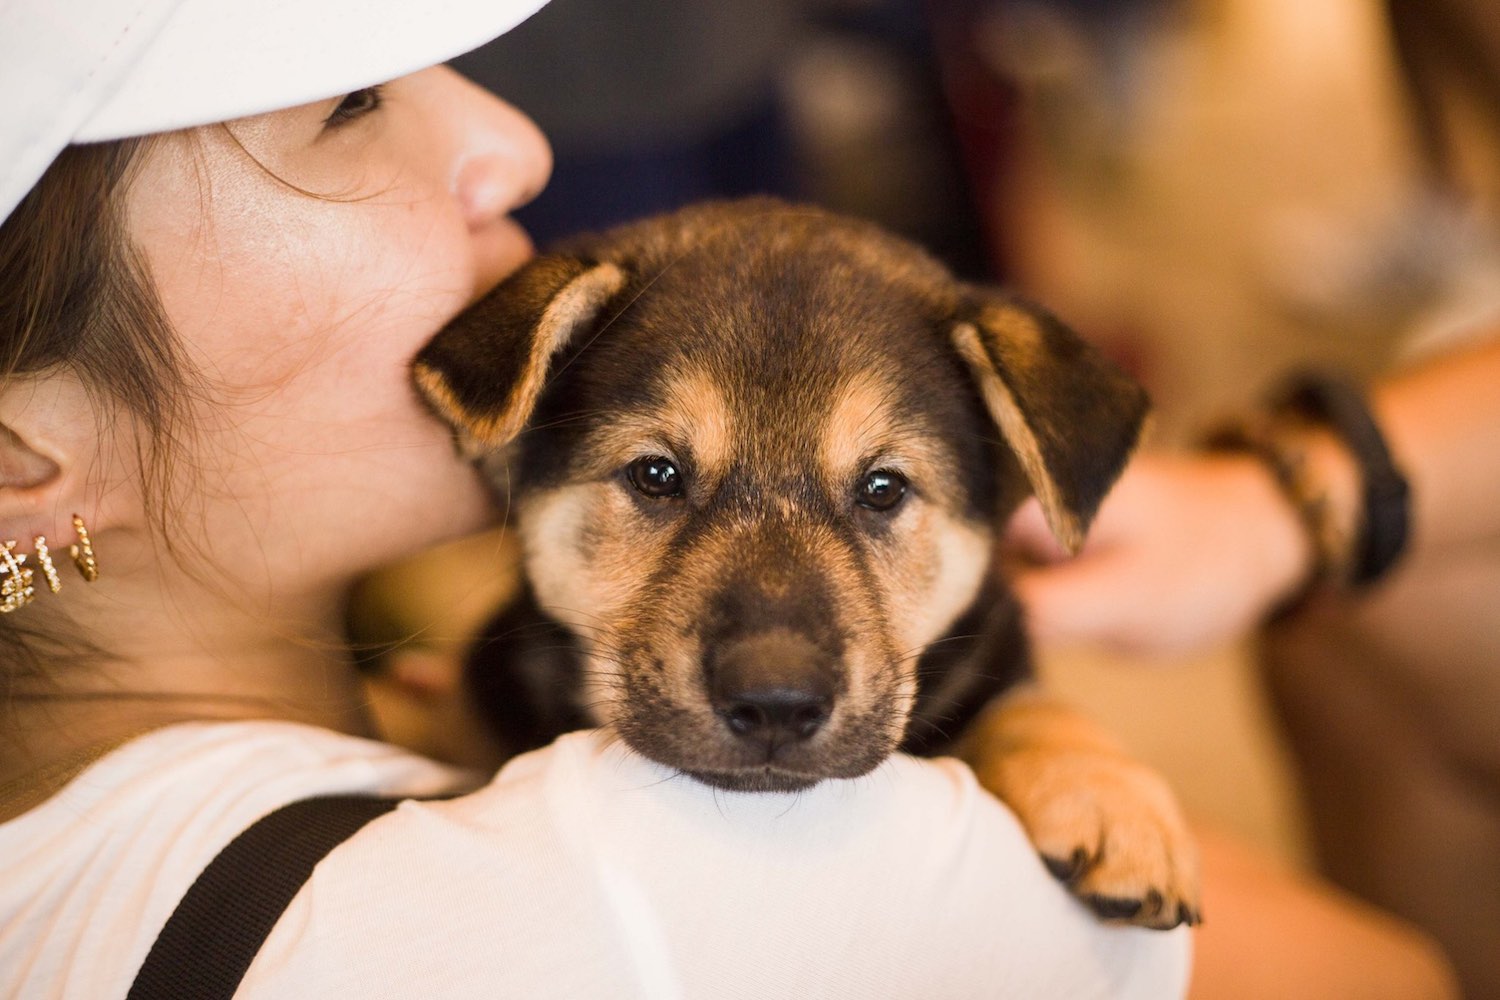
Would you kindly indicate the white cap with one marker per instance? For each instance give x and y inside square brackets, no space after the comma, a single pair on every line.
[88,70]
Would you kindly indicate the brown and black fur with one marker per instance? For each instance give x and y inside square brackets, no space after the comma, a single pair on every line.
[768,625]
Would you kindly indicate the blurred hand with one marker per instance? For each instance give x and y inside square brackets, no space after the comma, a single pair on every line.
[1186,553]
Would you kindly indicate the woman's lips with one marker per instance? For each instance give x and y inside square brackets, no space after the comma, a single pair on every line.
[500,251]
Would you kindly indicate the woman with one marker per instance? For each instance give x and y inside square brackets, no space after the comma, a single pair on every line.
[207,334]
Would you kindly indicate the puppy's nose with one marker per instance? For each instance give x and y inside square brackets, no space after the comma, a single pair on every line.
[772,689]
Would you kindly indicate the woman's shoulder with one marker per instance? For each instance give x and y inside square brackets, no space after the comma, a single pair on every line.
[590,871]
[579,870]
[123,840]
[226,770]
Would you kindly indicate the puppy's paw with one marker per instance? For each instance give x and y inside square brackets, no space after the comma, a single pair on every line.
[1108,827]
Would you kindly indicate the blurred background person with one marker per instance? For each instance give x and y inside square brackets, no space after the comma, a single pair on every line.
[1223,192]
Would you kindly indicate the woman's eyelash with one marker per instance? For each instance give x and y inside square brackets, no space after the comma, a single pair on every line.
[355,105]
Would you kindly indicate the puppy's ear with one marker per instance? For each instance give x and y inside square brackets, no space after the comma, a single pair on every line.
[1071,417]
[483,372]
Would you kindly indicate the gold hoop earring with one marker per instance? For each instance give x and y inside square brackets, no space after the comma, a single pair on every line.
[83,552]
[16,591]
[44,560]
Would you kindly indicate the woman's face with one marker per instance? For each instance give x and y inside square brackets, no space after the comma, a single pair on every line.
[303,257]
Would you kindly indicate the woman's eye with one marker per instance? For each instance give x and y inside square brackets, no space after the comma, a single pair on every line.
[655,477]
[354,105]
[880,490]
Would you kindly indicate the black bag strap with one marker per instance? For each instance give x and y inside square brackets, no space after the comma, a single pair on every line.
[221,922]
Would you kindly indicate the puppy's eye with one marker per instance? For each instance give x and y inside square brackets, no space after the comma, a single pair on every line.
[880,490]
[655,477]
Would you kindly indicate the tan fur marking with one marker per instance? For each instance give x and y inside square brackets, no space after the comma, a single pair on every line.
[697,413]
[434,387]
[862,427]
[623,438]
[1021,336]
[858,421]
[954,556]
[1007,414]
[571,580]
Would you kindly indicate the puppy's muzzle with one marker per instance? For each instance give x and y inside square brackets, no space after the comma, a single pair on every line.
[772,690]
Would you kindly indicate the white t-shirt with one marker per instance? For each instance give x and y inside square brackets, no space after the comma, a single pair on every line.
[581,870]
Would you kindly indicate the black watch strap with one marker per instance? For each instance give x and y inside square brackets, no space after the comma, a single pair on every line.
[218,927]
[1385,513]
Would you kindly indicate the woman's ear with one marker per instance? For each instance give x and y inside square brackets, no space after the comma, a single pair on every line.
[484,371]
[48,433]
[22,467]
[1069,414]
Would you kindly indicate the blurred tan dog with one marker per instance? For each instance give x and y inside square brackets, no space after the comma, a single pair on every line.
[758,456]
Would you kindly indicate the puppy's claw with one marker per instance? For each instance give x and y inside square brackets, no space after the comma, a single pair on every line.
[1152,912]
[1068,870]
[1110,908]
[1149,913]
[1107,828]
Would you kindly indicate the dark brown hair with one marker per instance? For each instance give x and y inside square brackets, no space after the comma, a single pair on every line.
[76,296]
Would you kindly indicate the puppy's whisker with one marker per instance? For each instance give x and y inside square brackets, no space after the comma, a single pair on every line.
[554,609]
[618,313]
[588,629]
[519,630]
[553,649]
[938,726]
[917,652]
[587,416]
[582,629]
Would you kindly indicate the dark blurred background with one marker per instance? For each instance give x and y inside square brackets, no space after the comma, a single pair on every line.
[650,106]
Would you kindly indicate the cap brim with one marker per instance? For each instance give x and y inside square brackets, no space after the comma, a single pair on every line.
[213,61]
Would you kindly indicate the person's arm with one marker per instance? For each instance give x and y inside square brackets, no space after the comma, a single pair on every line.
[1443,424]
[1190,551]
[1275,932]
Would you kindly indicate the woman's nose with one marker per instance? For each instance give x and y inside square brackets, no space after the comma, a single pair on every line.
[500,161]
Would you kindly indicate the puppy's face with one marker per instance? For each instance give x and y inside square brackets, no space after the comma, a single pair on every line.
[759,475]
[756,510]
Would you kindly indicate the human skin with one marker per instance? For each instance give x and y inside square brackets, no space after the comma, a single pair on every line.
[1387,698]
[1191,551]
[1272,932]
[301,261]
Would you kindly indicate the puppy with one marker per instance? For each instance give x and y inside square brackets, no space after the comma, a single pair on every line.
[757,457]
